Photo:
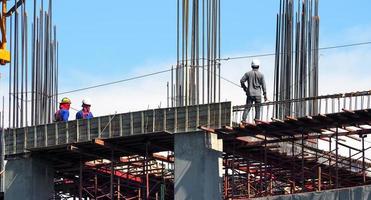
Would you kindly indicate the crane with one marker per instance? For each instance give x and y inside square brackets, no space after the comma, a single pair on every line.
[4,53]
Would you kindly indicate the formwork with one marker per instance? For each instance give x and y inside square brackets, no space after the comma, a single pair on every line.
[128,155]
[171,120]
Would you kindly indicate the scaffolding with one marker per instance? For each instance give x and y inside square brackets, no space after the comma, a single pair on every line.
[255,164]
[282,156]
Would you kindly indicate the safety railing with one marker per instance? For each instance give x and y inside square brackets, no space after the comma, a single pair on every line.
[305,106]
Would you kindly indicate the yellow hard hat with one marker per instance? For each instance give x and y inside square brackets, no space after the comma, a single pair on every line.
[66,100]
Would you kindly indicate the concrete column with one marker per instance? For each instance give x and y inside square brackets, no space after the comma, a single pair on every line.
[198,166]
[28,179]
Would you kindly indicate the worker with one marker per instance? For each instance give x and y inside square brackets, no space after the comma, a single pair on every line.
[255,85]
[63,113]
[85,113]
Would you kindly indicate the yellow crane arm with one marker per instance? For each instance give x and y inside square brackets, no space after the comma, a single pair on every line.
[4,53]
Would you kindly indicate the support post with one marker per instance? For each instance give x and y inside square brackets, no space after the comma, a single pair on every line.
[265,165]
[226,180]
[302,162]
[146,171]
[329,161]
[198,156]
[118,189]
[336,159]
[233,171]
[80,180]
[293,166]
[29,178]
[261,186]
[95,186]
[248,181]
[363,159]
[112,176]
[319,179]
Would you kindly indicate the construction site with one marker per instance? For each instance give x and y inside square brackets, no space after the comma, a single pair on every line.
[304,145]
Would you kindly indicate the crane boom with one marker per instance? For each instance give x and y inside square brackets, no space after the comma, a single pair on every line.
[4,53]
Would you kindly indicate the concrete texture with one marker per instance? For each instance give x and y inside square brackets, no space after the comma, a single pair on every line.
[352,193]
[28,179]
[198,166]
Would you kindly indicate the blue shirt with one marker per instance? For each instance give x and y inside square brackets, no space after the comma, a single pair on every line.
[63,115]
[80,115]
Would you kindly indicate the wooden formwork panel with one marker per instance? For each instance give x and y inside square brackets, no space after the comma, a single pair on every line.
[170,120]
[173,120]
[160,120]
[126,122]
[30,137]
[9,141]
[115,127]
[84,128]
[94,127]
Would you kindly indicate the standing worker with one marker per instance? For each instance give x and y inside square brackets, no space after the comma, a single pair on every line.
[64,110]
[85,113]
[255,84]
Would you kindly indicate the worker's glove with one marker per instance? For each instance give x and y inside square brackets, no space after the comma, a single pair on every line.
[265,98]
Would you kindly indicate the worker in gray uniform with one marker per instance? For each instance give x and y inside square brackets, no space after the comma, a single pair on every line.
[255,85]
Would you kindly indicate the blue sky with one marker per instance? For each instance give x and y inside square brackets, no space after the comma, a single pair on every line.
[102,42]
[114,39]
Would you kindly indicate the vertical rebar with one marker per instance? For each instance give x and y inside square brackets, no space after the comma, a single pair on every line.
[167,95]
[10,77]
[177,62]
[190,88]
[172,86]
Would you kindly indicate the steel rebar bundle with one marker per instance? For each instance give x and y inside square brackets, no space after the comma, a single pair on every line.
[197,72]
[296,64]
[33,82]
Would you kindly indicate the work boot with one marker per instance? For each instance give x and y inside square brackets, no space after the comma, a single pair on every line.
[257,121]
[242,124]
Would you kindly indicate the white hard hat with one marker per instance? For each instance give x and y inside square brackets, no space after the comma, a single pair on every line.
[86,102]
[255,63]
